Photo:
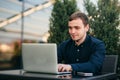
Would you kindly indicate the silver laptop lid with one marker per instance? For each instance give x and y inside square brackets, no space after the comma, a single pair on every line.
[40,57]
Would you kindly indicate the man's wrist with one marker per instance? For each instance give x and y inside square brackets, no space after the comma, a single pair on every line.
[70,68]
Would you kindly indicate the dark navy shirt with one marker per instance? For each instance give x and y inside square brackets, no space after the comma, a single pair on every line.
[87,57]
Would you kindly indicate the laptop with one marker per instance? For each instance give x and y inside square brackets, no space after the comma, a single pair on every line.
[40,57]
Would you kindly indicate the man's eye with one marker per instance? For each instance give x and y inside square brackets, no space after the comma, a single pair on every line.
[77,27]
[70,28]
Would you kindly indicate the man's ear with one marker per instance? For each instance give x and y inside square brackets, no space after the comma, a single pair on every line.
[87,27]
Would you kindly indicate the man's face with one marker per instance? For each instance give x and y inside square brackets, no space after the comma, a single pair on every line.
[77,30]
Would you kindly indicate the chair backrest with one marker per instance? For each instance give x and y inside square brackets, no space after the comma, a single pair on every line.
[110,64]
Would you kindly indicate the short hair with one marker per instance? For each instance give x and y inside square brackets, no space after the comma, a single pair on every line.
[80,15]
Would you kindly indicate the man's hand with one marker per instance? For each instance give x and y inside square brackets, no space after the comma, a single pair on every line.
[64,67]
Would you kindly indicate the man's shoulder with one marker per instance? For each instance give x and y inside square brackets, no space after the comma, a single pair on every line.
[96,43]
[66,42]
[95,40]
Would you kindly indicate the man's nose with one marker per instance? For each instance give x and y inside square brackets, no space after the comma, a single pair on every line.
[72,30]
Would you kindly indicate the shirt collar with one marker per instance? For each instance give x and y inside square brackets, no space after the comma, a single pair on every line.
[85,41]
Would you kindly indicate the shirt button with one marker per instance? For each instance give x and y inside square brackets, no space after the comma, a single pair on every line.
[77,60]
[78,50]
[81,45]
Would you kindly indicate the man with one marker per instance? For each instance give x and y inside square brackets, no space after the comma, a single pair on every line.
[81,53]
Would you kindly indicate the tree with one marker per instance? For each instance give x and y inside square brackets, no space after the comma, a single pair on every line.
[62,9]
[104,22]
